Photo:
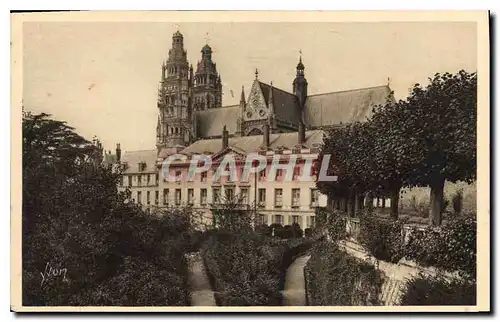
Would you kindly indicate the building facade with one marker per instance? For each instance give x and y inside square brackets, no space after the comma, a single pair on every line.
[269,121]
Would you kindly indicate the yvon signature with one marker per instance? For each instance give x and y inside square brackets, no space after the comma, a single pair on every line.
[51,272]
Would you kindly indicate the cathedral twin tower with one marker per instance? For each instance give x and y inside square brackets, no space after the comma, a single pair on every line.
[182,92]
[184,95]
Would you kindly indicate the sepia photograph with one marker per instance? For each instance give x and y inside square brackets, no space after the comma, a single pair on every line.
[250,161]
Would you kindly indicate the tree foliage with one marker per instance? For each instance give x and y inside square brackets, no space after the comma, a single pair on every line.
[84,243]
[231,214]
[424,140]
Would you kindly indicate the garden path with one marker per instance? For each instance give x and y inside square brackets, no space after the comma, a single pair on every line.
[201,291]
[294,293]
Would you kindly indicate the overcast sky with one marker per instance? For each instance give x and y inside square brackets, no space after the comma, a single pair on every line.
[102,77]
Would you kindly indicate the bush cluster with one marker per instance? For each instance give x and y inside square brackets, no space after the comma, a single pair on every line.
[451,247]
[248,269]
[102,249]
[438,290]
[334,277]
[383,238]
[113,252]
[284,232]
[332,223]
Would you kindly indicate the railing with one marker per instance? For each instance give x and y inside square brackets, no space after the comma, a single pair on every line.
[353,228]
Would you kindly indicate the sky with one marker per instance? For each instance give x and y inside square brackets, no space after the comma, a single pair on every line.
[102,77]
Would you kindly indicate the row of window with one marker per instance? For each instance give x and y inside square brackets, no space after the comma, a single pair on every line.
[242,197]
[280,174]
[202,80]
[142,180]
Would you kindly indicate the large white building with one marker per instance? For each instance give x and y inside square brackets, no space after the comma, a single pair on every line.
[269,121]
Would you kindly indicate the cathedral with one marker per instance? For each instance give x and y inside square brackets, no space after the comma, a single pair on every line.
[190,104]
[193,120]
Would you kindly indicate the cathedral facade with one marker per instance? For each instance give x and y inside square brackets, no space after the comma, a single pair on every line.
[272,121]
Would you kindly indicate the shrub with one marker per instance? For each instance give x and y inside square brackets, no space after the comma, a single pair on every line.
[296,230]
[382,238]
[195,239]
[438,290]
[451,247]
[91,231]
[331,223]
[247,269]
[308,232]
[263,229]
[423,208]
[336,226]
[334,277]
[457,201]
[287,232]
[277,228]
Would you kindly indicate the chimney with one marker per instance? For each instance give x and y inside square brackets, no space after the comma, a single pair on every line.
[302,133]
[266,135]
[118,152]
[225,138]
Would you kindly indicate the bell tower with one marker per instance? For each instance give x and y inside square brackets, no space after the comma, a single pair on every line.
[300,84]
[300,91]
[207,86]
[175,117]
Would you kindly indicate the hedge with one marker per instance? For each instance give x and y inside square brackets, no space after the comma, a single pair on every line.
[383,238]
[248,269]
[438,290]
[334,277]
[451,247]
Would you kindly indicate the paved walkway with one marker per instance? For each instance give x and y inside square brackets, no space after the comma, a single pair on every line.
[294,293]
[201,291]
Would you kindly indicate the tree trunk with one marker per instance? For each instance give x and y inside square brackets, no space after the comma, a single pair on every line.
[383,202]
[361,201]
[395,203]
[436,203]
[351,210]
[378,202]
[337,203]
[357,204]
[369,201]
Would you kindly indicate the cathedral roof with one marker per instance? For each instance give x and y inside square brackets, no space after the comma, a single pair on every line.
[253,143]
[343,107]
[133,158]
[211,121]
[285,104]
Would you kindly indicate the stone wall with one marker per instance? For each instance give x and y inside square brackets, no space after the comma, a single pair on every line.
[396,275]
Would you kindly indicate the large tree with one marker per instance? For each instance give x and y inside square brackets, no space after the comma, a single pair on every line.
[440,125]
[350,151]
[393,150]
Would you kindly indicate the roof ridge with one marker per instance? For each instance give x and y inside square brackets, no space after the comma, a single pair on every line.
[277,88]
[350,90]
